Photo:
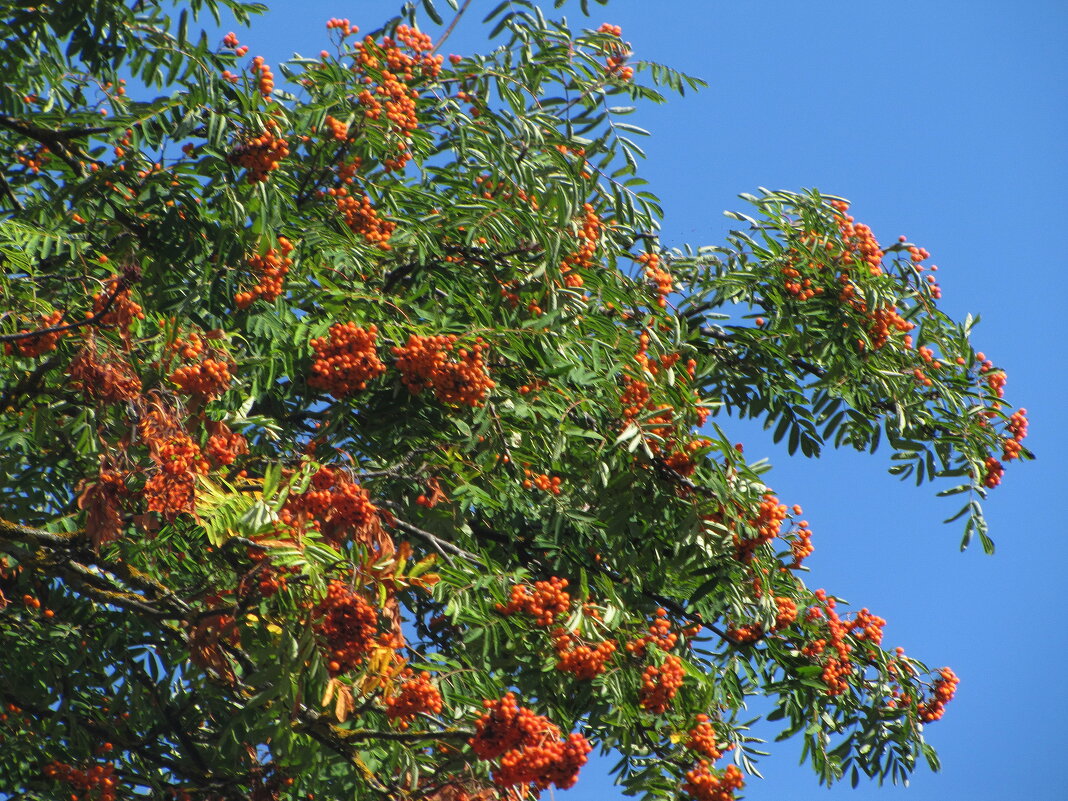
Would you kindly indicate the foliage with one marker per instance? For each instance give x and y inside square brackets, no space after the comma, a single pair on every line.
[356,426]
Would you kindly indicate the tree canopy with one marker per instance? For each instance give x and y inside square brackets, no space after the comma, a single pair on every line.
[362,440]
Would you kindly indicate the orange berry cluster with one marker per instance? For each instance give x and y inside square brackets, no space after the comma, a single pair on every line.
[362,218]
[584,661]
[745,633]
[660,635]
[865,626]
[654,271]
[271,269]
[172,490]
[704,785]
[348,625]
[35,160]
[681,461]
[541,481]
[42,343]
[768,524]
[1017,427]
[589,234]
[206,378]
[231,41]
[786,613]
[122,311]
[98,783]
[391,96]
[703,739]
[429,362]
[223,445]
[416,696]
[260,155]
[618,58]
[111,380]
[801,546]
[945,687]
[339,129]
[660,684]
[994,377]
[529,747]
[635,398]
[883,322]
[796,284]
[334,505]
[858,239]
[346,360]
[993,471]
[544,601]
[343,25]
[265,81]
[270,580]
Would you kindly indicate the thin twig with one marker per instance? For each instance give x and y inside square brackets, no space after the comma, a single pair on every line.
[452,25]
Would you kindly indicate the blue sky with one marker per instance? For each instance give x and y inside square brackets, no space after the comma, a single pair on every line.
[945,121]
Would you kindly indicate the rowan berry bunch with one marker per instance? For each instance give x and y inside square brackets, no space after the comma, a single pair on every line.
[883,322]
[589,235]
[347,625]
[654,271]
[457,375]
[417,695]
[223,445]
[179,454]
[541,481]
[98,783]
[858,238]
[264,78]
[122,310]
[768,524]
[206,370]
[389,71]
[583,661]
[339,130]
[345,360]
[529,747]
[544,601]
[660,685]
[618,54]
[945,687]
[270,269]
[1017,428]
[994,377]
[703,739]
[110,379]
[838,665]
[335,505]
[801,546]
[785,612]
[362,218]
[992,472]
[702,784]
[660,635]
[171,491]
[33,346]
[35,159]
[260,155]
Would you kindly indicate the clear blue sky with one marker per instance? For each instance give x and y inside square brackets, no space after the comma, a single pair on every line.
[946,121]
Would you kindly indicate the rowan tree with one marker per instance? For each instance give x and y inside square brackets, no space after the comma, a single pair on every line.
[360,435]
